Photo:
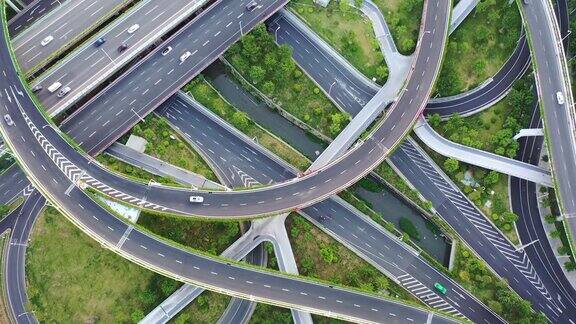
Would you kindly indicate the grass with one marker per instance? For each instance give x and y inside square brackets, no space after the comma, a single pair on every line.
[403,18]
[211,99]
[115,165]
[206,308]
[271,69]
[4,314]
[478,48]
[72,279]
[165,144]
[213,237]
[320,256]
[347,30]
[268,314]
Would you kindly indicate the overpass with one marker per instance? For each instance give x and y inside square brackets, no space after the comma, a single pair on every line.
[480,158]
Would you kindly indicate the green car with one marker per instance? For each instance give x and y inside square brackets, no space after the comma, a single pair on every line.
[441,289]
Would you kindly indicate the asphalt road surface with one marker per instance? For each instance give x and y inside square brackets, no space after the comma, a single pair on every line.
[236,158]
[28,144]
[65,24]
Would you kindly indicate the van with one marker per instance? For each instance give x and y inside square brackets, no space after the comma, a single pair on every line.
[55,86]
[196,199]
[63,92]
[560,97]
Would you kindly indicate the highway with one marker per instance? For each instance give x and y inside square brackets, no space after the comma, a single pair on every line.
[30,14]
[524,202]
[14,261]
[559,118]
[148,251]
[66,24]
[88,66]
[247,162]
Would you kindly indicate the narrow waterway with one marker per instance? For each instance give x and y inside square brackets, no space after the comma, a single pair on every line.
[384,201]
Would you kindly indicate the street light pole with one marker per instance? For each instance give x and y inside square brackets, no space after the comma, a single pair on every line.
[330,90]
[241,32]
[276,34]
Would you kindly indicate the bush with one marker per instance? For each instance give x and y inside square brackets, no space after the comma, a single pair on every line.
[408,227]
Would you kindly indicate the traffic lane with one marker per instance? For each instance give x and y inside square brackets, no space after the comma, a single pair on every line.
[345,88]
[266,286]
[560,133]
[524,202]
[30,14]
[240,160]
[83,68]
[321,183]
[70,20]
[377,246]
[12,183]
[499,85]
[14,271]
[143,88]
[476,239]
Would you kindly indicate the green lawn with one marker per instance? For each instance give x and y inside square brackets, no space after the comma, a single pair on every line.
[210,236]
[403,18]
[273,71]
[347,30]
[72,279]
[207,308]
[165,144]
[479,46]
[211,99]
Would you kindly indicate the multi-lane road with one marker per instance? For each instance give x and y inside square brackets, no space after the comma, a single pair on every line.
[30,136]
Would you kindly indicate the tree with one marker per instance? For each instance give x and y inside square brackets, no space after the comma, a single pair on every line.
[382,72]
[491,179]
[4,209]
[569,265]
[451,165]
[137,315]
[240,120]
[268,87]
[509,217]
[257,74]
[435,120]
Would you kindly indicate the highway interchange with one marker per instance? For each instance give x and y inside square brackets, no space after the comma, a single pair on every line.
[96,134]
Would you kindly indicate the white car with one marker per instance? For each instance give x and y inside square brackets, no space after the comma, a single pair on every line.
[133,28]
[185,56]
[167,50]
[8,120]
[196,199]
[46,40]
[560,97]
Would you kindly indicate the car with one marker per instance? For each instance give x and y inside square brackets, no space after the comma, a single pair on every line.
[54,86]
[8,120]
[122,48]
[64,92]
[166,50]
[185,56]
[441,289]
[100,41]
[133,28]
[37,88]
[196,199]
[560,97]
[251,5]
[46,40]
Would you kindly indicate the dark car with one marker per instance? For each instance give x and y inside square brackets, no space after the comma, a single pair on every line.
[122,48]
[100,41]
